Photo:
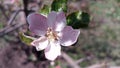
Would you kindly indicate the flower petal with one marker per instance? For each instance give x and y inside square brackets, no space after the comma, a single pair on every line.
[52,51]
[60,21]
[69,36]
[52,18]
[40,43]
[56,20]
[37,23]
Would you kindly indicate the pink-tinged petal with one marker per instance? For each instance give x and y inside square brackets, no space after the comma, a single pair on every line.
[56,20]
[69,36]
[52,51]
[37,23]
[52,18]
[60,21]
[40,43]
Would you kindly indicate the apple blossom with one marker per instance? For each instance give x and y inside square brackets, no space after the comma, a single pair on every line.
[53,32]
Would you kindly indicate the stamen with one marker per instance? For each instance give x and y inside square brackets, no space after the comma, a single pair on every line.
[51,35]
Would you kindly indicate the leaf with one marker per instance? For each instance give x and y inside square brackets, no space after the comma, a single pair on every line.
[45,10]
[78,19]
[59,5]
[26,39]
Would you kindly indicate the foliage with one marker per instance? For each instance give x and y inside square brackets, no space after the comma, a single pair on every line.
[26,39]
[59,5]
[45,10]
[78,19]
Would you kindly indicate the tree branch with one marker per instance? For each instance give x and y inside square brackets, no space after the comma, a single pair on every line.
[70,60]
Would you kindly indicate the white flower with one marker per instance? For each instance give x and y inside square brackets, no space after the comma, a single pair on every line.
[53,32]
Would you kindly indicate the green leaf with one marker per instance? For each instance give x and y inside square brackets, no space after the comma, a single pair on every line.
[26,39]
[59,5]
[45,10]
[78,19]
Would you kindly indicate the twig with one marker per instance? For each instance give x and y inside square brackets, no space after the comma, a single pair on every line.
[102,65]
[12,18]
[83,59]
[3,11]
[26,11]
[11,29]
[70,60]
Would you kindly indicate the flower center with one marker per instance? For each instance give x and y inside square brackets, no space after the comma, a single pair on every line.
[51,35]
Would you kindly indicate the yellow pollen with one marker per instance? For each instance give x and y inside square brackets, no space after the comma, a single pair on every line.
[51,35]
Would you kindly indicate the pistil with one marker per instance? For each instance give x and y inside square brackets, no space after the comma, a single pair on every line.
[51,35]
